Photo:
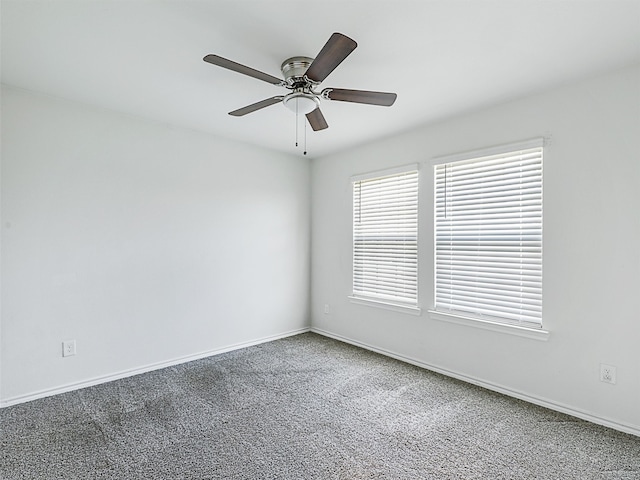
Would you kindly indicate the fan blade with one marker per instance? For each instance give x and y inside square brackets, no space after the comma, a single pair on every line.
[360,96]
[256,106]
[316,120]
[237,67]
[337,48]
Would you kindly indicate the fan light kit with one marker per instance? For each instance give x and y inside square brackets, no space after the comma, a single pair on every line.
[302,75]
[301,102]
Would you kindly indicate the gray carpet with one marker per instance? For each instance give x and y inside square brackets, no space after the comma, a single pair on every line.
[304,407]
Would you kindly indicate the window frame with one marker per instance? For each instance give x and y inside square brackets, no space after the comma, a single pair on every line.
[359,296]
[467,318]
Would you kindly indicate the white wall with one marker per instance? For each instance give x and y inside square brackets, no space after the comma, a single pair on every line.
[142,242]
[591,266]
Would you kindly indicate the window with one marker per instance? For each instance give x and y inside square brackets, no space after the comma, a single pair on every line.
[488,235]
[385,236]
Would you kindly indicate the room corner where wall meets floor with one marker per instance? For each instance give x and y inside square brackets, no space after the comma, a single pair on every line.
[305,406]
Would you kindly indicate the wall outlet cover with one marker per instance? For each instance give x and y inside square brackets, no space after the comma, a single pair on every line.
[68,348]
[607,373]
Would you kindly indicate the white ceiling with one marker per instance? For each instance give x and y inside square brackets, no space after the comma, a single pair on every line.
[442,57]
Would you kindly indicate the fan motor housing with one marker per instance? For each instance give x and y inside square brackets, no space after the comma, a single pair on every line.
[294,68]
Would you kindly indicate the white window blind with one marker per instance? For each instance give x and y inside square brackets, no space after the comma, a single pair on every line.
[385,237]
[488,237]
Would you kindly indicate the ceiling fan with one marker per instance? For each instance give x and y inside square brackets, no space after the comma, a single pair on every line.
[302,75]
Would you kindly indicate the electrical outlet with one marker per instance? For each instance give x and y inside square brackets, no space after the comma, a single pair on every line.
[607,373]
[68,348]
[327,309]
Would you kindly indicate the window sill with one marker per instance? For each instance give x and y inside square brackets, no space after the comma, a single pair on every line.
[534,333]
[397,307]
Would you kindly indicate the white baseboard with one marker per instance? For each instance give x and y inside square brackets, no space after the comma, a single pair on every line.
[543,402]
[147,368]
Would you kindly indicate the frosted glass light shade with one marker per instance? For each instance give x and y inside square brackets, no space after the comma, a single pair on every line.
[302,103]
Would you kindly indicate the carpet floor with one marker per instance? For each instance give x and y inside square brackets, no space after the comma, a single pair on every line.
[304,407]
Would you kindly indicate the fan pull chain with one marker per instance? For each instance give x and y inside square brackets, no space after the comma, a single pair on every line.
[297,121]
[298,128]
[305,138]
